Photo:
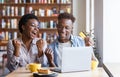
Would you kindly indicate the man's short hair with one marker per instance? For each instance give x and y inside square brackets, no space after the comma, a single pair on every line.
[66,15]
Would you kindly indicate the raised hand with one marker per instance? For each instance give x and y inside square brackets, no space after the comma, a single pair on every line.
[42,45]
[17,45]
[49,54]
[88,41]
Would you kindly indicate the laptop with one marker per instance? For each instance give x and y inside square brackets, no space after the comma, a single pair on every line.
[75,59]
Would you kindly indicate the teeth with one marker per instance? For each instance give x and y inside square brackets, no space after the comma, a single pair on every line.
[34,32]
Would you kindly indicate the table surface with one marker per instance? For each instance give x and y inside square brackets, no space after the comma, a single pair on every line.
[99,72]
[114,68]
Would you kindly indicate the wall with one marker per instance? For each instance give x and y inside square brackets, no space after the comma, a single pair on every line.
[99,27]
[107,24]
[79,11]
[107,31]
[105,47]
[111,40]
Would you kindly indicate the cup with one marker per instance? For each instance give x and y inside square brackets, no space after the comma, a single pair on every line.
[33,67]
[94,65]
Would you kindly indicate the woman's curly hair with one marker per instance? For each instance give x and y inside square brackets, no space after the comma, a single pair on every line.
[25,19]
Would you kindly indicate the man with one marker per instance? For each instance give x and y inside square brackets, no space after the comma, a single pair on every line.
[65,39]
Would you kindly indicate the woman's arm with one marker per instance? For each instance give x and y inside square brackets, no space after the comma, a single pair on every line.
[12,56]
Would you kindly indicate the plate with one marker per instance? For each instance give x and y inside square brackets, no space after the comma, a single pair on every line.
[53,74]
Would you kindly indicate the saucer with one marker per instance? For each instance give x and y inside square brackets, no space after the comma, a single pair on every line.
[53,74]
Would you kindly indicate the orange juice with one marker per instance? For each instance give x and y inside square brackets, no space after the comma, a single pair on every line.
[94,65]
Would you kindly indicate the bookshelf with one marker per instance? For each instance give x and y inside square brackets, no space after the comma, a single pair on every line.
[46,10]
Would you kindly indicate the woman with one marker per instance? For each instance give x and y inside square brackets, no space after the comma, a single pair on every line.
[28,48]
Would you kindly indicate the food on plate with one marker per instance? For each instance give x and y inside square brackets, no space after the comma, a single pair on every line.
[44,71]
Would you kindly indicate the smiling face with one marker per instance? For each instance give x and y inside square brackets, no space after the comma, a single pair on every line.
[30,29]
[64,28]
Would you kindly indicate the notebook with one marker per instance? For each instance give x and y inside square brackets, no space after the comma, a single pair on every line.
[75,59]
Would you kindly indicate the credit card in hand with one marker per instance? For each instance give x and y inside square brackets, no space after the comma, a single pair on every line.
[82,34]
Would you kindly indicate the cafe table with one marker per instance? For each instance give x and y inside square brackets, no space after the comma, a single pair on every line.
[98,72]
[113,69]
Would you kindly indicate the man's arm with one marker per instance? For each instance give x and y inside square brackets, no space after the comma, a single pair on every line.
[50,57]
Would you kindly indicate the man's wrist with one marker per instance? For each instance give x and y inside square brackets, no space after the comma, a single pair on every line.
[40,53]
[51,64]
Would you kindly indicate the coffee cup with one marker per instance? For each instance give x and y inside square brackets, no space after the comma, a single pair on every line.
[33,67]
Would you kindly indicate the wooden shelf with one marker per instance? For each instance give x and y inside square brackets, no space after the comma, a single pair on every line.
[40,17]
[3,43]
[9,30]
[5,17]
[48,30]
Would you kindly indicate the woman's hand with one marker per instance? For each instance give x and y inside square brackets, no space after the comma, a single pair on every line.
[42,45]
[49,54]
[17,45]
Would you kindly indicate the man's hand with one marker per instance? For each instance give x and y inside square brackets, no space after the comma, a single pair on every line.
[49,54]
[41,44]
[88,41]
[17,45]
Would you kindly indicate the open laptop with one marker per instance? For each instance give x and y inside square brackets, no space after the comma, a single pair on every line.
[75,59]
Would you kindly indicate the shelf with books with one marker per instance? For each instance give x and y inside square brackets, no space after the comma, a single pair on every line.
[46,10]
[18,9]
[36,1]
[34,4]
[40,18]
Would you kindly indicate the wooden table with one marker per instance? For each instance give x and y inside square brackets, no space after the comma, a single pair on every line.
[113,68]
[99,72]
